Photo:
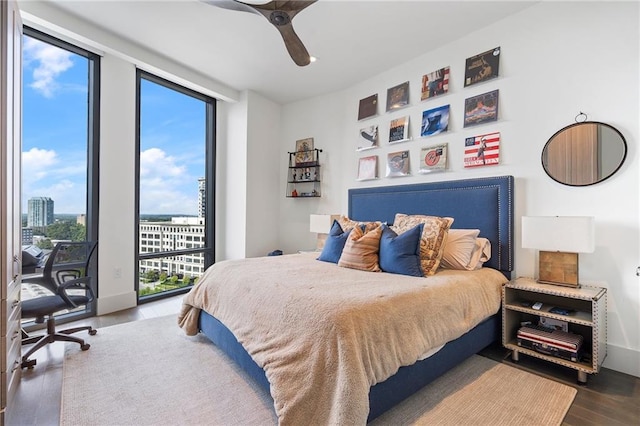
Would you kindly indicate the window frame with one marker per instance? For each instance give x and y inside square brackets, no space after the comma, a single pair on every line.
[208,250]
[93,158]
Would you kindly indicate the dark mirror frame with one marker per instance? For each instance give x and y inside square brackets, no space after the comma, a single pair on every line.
[621,140]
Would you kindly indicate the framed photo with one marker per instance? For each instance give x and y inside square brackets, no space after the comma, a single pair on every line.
[435,83]
[481,108]
[433,159]
[398,164]
[368,107]
[399,129]
[368,168]
[482,150]
[398,96]
[304,152]
[435,121]
[482,67]
[368,138]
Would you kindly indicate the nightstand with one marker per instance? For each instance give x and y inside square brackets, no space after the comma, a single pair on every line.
[587,316]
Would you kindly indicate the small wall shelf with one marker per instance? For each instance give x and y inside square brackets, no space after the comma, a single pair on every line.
[303,176]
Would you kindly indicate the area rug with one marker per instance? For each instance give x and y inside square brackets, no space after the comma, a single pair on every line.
[149,373]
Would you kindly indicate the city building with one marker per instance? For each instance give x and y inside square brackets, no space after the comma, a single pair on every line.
[182,233]
[202,199]
[39,212]
[27,236]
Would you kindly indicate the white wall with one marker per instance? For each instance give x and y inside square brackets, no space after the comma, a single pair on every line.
[322,118]
[248,177]
[557,59]
[116,252]
[231,185]
[262,198]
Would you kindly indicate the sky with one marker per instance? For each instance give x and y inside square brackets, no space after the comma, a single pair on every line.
[54,147]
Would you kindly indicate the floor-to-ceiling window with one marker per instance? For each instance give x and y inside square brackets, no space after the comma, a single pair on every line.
[175,168]
[59,149]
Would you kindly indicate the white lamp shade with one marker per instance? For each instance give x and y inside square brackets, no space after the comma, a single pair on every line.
[321,223]
[571,234]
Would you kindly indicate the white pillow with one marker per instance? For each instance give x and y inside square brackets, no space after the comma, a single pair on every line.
[459,248]
[481,254]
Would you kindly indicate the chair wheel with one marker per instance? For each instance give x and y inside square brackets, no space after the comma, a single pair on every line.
[85,347]
[92,332]
[28,363]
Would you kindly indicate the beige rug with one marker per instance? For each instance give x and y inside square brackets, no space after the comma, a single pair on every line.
[149,373]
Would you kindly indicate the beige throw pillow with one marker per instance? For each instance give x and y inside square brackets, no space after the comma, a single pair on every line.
[361,250]
[459,248]
[481,254]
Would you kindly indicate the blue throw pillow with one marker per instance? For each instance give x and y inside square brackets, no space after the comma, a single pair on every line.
[400,254]
[334,244]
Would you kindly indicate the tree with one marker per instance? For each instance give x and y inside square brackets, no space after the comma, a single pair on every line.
[67,230]
[45,244]
[152,275]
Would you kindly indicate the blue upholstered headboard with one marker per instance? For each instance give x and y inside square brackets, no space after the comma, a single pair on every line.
[482,203]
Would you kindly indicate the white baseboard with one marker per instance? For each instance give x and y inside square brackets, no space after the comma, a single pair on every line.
[624,360]
[107,305]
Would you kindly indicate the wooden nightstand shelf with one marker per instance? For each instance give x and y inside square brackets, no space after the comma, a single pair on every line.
[588,318]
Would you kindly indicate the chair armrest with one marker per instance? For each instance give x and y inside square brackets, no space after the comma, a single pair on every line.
[63,275]
[81,283]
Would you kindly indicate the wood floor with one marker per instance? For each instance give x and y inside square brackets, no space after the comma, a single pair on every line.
[610,399]
[37,400]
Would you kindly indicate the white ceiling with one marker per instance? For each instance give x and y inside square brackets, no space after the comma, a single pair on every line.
[353,40]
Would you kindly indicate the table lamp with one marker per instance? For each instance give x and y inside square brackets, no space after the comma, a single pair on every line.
[559,239]
[321,225]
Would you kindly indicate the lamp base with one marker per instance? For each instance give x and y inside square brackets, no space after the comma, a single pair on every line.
[320,241]
[558,268]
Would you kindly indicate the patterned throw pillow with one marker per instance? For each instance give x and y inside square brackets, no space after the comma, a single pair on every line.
[348,224]
[361,249]
[434,235]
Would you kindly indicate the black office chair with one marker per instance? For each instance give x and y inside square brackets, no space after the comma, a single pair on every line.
[65,276]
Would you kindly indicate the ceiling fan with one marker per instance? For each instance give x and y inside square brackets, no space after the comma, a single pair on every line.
[280,14]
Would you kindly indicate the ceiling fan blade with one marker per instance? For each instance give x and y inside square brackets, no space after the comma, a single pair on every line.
[291,7]
[294,45]
[232,5]
[280,14]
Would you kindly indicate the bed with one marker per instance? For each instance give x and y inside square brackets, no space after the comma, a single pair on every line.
[484,203]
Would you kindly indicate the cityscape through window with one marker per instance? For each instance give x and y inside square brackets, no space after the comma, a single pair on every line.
[58,96]
[175,163]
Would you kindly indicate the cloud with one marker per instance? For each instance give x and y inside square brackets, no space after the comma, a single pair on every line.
[45,174]
[165,186]
[155,163]
[37,163]
[51,62]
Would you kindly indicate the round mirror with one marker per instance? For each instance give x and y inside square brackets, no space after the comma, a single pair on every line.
[584,153]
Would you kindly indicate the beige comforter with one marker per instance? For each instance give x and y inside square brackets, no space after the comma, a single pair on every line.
[325,334]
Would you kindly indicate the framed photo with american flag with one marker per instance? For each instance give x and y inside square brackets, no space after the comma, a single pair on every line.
[482,150]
